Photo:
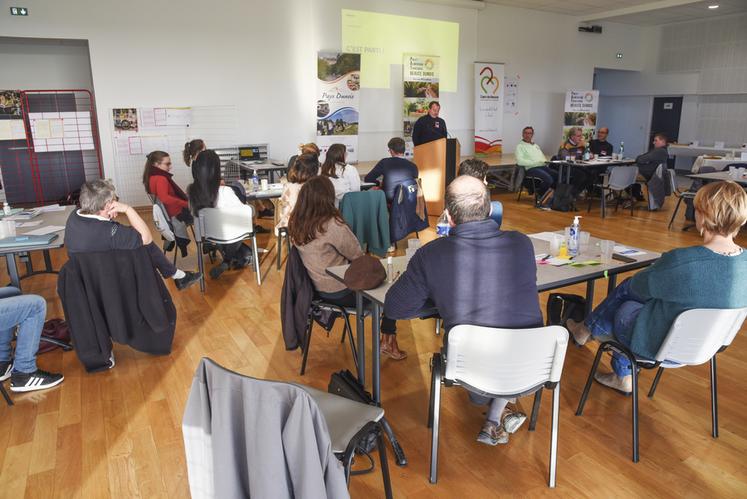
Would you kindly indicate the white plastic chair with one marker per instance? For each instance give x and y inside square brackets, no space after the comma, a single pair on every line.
[620,179]
[695,337]
[226,226]
[503,363]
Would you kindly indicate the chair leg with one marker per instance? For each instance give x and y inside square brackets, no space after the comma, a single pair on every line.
[438,326]
[5,395]
[201,266]
[436,382]
[435,359]
[279,247]
[256,260]
[585,394]
[655,383]
[176,253]
[714,399]
[521,188]
[384,465]
[535,409]
[674,214]
[349,331]
[554,435]
[307,343]
[634,372]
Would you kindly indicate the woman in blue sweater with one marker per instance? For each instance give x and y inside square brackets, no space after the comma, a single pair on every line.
[641,310]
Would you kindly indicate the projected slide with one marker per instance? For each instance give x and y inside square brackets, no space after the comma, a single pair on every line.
[381,39]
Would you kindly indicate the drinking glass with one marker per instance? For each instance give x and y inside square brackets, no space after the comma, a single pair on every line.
[607,249]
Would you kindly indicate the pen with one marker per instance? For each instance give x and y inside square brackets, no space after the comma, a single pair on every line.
[545,258]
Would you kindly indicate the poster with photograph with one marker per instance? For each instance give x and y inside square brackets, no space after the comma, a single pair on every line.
[10,104]
[488,108]
[420,77]
[581,111]
[338,93]
[125,119]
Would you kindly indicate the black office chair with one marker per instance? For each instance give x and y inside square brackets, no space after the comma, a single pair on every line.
[528,183]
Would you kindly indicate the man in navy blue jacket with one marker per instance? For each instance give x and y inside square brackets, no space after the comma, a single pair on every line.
[478,275]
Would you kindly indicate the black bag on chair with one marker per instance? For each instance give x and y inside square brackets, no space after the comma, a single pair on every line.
[562,306]
[345,384]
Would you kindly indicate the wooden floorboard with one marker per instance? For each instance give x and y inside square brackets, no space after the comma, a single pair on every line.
[117,434]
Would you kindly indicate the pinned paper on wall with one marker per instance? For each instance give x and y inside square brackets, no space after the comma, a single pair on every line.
[56,128]
[12,130]
[178,116]
[147,117]
[62,131]
[135,145]
[40,129]
[154,143]
[511,96]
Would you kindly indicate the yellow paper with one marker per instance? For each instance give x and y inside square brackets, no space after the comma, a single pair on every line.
[42,130]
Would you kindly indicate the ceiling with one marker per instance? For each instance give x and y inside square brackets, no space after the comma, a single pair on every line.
[637,12]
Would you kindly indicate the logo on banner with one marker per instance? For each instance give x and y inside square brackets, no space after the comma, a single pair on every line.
[487,81]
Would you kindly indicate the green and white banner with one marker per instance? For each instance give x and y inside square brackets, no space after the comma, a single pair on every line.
[581,111]
[420,81]
[338,84]
[488,108]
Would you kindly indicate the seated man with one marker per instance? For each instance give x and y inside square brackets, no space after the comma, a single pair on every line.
[394,170]
[474,167]
[492,283]
[600,146]
[27,312]
[649,161]
[92,228]
[573,148]
[530,157]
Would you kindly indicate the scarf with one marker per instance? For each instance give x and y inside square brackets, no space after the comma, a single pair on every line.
[154,170]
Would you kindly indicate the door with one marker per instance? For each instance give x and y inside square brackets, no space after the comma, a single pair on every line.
[665,118]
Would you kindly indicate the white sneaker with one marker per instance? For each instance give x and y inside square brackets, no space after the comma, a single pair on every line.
[622,384]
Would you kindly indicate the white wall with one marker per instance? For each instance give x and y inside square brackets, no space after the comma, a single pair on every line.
[44,64]
[260,56]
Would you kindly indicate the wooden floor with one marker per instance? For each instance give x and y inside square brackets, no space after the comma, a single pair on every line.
[117,434]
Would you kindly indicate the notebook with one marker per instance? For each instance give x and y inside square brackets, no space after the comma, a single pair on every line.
[15,241]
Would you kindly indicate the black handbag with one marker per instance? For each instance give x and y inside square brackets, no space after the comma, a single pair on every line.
[563,306]
[563,199]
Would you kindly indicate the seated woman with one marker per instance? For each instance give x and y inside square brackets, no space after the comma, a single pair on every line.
[158,182]
[207,192]
[92,228]
[344,177]
[324,240]
[303,168]
[641,310]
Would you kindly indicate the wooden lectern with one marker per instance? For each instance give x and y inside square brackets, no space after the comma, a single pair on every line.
[437,166]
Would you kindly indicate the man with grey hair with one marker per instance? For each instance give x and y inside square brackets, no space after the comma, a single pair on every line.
[93,228]
[478,275]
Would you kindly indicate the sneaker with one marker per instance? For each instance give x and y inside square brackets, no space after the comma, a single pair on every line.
[579,332]
[6,368]
[39,380]
[188,279]
[622,384]
[492,434]
[512,420]
[111,361]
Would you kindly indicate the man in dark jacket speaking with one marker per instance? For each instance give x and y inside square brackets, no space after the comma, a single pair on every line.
[478,275]
[429,127]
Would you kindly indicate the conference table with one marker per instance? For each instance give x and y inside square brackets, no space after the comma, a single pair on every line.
[595,165]
[549,277]
[718,177]
[56,218]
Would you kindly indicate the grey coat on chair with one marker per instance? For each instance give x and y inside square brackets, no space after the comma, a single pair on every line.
[246,437]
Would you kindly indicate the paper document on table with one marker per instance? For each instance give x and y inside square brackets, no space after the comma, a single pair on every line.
[41,231]
[624,250]
[51,207]
[28,224]
[543,236]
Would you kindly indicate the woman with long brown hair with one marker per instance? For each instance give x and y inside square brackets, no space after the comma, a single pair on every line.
[303,168]
[344,177]
[323,240]
[191,150]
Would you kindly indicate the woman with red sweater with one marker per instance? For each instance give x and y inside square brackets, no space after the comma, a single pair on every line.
[158,182]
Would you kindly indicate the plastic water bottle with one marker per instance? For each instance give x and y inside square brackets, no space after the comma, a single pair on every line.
[7,209]
[442,226]
[389,269]
[255,181]
[622,150]
[586,156]
[574,236]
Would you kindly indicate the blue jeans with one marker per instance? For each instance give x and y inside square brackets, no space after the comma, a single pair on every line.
[547,178]
[616,315]
[27,312]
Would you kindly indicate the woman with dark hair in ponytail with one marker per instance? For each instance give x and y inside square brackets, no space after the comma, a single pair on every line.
[207,192]
[191,150]
[159,182]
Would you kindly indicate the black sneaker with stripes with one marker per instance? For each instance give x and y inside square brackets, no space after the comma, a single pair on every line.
[5,369]
[39,380]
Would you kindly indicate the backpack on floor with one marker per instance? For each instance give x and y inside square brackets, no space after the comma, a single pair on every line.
[563,199]
[57,329]
[563,306]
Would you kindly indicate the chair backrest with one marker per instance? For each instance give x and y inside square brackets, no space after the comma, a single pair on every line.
[225,225]
[622,177]
[162,222]
[505,361]
[696,335]
[673,181]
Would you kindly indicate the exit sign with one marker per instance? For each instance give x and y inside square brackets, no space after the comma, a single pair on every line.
[19,11]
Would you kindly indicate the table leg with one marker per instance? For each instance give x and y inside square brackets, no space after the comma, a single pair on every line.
[10,260]
[47,261]
[360,333]
[376,353]
[589,296]
[611,284]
